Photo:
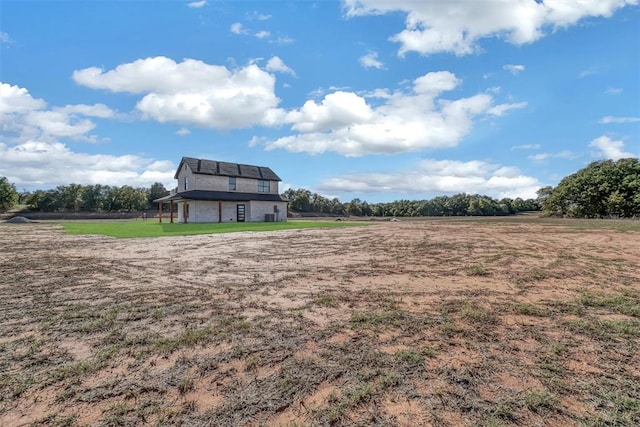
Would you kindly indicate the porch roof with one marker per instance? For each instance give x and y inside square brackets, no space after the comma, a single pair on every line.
[223,196]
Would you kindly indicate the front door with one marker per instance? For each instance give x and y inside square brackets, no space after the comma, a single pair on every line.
[240,213]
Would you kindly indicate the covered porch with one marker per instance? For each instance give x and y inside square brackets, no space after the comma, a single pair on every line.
[221,206]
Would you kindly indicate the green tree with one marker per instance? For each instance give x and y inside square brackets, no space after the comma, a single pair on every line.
[93,197]
[128,198]
[8,195]
[156,191]
[70,197]
[603,188]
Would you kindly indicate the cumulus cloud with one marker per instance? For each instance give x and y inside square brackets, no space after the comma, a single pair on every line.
[609,148]
[192,92]
[344,122]
[514,69]
[23,116]
[34,164]
[370,60]
[456,26]
[612,119]
[238,28]
[197,4]
[277,65]
[32,154]
[183,132]
[441,176]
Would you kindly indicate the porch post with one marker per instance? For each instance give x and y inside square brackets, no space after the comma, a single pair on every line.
[219,210]
[160,211]
[171,211]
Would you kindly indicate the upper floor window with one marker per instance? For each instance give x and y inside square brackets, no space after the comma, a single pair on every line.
[186,183]
[232,183]
[263,186]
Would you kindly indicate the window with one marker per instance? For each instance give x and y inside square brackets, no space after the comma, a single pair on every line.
[263,186]
[186,183]
[232,183]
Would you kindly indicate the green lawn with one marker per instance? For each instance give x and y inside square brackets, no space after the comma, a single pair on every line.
[155,229]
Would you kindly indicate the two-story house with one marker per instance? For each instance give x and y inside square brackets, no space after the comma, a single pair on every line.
[212,191]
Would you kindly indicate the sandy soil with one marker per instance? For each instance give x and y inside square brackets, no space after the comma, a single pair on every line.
[431,322]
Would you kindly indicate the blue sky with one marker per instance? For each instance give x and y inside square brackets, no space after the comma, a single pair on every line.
[375,99]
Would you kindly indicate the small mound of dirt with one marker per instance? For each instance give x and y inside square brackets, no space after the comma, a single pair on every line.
[19,220]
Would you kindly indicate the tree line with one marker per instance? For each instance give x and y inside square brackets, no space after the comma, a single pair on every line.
[604,188]
[83,198]
[302,200]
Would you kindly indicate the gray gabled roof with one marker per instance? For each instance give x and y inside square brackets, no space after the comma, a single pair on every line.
[213,167]
[223,196]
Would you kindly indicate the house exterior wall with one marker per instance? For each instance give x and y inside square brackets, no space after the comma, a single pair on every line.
[211,182]
[199,211]
[185,172]
[219,183]
[258,210]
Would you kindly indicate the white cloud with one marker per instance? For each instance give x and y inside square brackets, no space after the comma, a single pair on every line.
[514,69]
[499,110]
[238,28]
[275,64]
[197,4]
[591,71]
[344,122]
[442,176]
[32,155]
[283,40]
[96,110]
[25,117]
[4,38]
[610,149]
[14,99]
[37,164]
[612,119]
[336,110]
[613,91]
[456,26]
[370,60]
[564,154]
[192,92]
[257,16]
[183,132]
[526,147]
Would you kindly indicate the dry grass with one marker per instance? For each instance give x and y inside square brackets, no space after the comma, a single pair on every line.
[439,323]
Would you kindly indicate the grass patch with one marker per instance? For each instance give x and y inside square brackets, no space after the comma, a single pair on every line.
[477,270]
[129,229]
[627,304]
[366,319]
[539,401]
[528,309]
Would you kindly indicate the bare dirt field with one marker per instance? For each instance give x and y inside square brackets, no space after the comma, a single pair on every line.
[432,322]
